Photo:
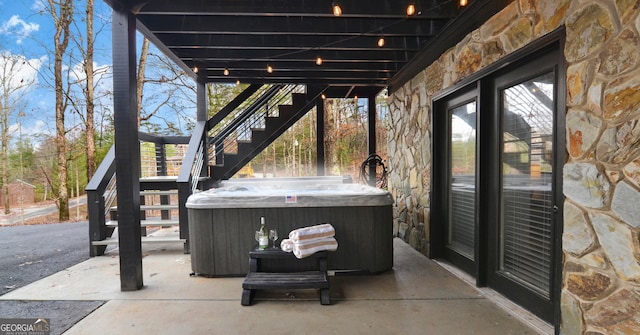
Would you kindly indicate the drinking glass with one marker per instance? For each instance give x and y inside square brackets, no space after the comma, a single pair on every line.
[273,235]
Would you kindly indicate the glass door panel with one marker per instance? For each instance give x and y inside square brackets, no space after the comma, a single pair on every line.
[526,183]
[462,182]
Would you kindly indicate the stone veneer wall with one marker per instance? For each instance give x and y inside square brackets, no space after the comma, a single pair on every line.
[601,240]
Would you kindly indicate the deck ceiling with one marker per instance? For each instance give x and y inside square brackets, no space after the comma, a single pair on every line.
[246,36]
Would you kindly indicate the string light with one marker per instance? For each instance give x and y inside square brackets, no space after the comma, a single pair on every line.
[238,82]
[323,96]
[195,69]
[337,11]
[411,9]
[463,3]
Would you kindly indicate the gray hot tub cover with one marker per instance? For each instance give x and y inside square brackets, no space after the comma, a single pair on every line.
[267,195]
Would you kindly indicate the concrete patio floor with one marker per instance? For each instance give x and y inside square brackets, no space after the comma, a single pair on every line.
[418,296]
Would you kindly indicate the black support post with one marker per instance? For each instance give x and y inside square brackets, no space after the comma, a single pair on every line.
[97,227]
[127,149]
[320,137]
[161,170]
[202,114]
[201,100]
[371,137]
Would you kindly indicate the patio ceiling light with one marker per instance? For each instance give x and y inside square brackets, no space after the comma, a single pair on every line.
[411,9]
[337,10]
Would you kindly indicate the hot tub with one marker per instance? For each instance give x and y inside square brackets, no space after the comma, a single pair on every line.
[222,222]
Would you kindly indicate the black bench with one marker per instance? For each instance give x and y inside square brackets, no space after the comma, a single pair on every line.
[257,279]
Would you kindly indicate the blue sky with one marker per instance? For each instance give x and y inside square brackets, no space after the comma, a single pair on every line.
[26,30]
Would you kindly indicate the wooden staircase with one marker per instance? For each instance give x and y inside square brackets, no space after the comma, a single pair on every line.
[252,109]
[261,137]
[158,209]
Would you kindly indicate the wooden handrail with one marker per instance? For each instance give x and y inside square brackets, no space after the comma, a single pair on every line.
[262,100]
[99,180]
[237,101]
[197,139]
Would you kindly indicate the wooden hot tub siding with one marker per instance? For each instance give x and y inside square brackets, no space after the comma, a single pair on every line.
[221,238]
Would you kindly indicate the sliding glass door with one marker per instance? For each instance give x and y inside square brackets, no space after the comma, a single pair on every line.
[462,181]
[497,185]
[527,174]
[523,256]
[455,197]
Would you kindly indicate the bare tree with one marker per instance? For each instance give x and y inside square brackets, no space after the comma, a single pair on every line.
[142,66]
[330,140]
[170,89]
[85,78]
[89,93]
[13,84]
[62,14]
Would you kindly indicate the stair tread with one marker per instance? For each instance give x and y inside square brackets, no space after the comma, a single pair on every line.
[144,239]
[156,192]
[151,207]
[168,206]
[147,223]
[159,183]
[159,178]
[289,280]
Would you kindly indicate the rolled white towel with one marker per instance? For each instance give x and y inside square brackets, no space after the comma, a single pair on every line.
[286,245]
[312,232]
[310,247]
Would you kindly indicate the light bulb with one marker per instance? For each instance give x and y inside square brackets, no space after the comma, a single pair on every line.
[195,69]
[411,9]
[463,3]
[269,69]
[381,42]
[337,11]
[226,71]
[319,60]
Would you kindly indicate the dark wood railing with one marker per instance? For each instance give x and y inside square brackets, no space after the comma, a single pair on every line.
[98,200]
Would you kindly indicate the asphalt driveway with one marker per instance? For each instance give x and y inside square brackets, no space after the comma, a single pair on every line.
[29,253]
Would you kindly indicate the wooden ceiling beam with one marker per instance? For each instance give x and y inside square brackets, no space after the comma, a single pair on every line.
[268,25]
[426,9]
